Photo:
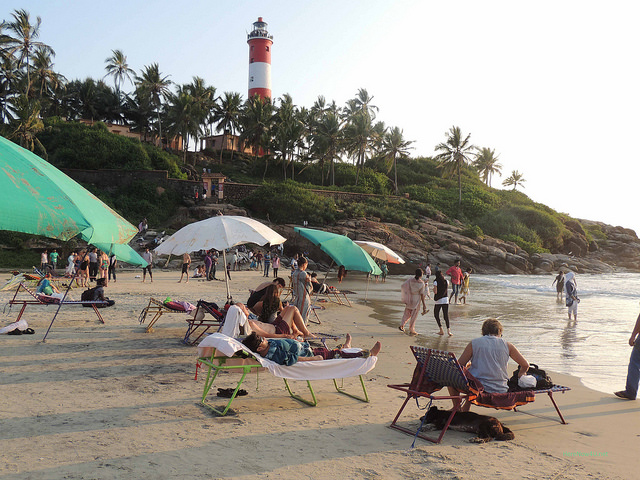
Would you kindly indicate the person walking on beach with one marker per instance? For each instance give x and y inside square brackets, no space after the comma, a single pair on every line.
[44,260]
[113,263]
[148,257]
[53,259]
[456,280]
[186,263]
[571,294]
[440,286]
[267,264]
[412,291]
[275,264]
[633,372]
[559,281]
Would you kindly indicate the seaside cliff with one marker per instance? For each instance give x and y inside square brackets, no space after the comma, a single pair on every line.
[435,242]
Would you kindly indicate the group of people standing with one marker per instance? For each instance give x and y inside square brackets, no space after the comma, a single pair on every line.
[415,291]
[90,265]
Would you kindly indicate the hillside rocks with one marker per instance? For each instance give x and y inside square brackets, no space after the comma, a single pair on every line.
[435,242]
[432,241]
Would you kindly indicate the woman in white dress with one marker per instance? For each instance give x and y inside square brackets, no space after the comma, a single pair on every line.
[413,293]
[301,286]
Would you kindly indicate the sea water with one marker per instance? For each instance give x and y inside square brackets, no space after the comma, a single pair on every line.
[594,348]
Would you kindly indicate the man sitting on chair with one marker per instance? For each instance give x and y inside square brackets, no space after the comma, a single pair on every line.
[489,355]
[286,351]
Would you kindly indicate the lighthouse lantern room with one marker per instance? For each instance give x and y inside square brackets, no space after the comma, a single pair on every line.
[260,43]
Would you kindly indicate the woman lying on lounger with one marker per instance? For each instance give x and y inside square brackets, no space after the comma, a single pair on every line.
[285,351]
[288,323]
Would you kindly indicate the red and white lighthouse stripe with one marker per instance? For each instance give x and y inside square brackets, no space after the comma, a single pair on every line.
[260,43]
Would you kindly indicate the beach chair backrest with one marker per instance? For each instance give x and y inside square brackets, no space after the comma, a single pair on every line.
[441,367]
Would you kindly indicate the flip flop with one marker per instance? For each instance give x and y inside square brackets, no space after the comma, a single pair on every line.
[29,331]
[401,329]
[14,332]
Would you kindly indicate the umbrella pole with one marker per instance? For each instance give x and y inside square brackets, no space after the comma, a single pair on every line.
[226,275]
[327,274]
[60,305]
[366,293]
[168,260]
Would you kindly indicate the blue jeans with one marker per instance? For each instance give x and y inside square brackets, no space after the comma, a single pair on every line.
[633,373]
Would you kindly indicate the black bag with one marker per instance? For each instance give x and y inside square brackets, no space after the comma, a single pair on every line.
[543,381]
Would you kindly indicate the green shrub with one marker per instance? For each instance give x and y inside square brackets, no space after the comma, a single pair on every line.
[529,247]
[288,202]
[472,231]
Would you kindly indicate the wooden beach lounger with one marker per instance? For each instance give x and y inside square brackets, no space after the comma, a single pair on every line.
[44,300]
[157,308]
[217,353]
[436,369]
[341,297]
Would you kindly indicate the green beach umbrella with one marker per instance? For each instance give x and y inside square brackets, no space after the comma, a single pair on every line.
[342,250]
[38,198]
[123,252]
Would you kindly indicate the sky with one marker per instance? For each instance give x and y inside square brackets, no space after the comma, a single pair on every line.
[552,86]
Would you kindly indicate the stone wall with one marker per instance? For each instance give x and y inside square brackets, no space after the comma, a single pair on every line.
[233,192]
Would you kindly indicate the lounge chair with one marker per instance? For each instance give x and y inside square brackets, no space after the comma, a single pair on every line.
[38,299]
[157,308]
[218,352]
[341,297]
[199,324]
[436,369]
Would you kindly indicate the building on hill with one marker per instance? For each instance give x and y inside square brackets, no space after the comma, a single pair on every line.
[125,131]
[231,143]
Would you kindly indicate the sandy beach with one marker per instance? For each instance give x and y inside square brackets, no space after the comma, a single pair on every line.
[109,401]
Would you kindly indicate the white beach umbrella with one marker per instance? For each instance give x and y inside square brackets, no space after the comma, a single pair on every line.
[379,251]
[219,232]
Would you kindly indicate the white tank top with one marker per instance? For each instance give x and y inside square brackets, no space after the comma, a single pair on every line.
[489,363]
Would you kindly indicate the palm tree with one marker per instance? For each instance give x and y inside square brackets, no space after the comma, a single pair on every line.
[327,142]
[226,116]
[23,43]
[204,104]
[357,133]
[45,80]
[394,146]
[27,123]
[118,68]
[516,179]
[455,153]
[363,103]
[287,133]
[256,120]
[156,87]
[486,162]
[182,118]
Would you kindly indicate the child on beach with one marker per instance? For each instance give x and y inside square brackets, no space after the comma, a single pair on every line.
[464,290]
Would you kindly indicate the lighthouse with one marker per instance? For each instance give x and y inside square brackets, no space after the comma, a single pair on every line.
[260,43]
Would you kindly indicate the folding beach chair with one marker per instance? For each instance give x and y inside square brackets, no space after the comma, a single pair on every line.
[157,308]
[218,353]
[36,299]
[340,297]
[197,328]
[436,369]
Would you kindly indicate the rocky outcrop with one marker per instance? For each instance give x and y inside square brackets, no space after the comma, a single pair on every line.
[433,241]
[436,242]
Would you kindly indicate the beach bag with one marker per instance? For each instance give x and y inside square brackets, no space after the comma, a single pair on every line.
[543,381]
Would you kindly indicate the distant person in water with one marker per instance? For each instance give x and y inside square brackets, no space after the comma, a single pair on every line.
[571,294]
[559,281]
[633,372]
